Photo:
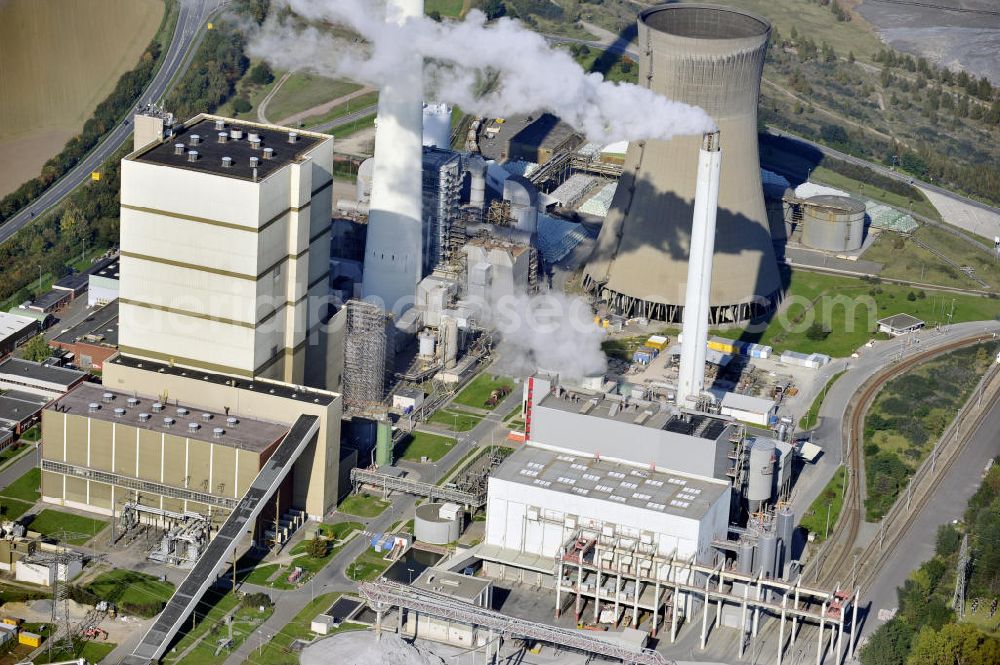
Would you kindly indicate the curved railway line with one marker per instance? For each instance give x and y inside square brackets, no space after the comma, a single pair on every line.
[835,558]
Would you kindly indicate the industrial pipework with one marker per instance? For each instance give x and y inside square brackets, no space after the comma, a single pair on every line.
[691,380]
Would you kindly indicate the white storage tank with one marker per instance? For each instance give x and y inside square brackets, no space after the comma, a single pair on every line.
[833,223]
[427,341]
[438,523]
[761,472]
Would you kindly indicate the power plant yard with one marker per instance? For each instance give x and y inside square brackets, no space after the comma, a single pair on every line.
[59,61]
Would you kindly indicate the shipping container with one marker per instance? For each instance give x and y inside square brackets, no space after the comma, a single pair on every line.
[722,345]
[29,639]
[658,342]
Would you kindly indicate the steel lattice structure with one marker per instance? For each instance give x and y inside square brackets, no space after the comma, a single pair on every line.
[364,355]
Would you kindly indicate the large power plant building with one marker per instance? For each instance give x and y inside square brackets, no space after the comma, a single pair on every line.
[710,57]
[225,247]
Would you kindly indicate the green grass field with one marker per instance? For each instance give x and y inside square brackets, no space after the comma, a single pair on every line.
[904,259]
[25,488]
[456,421]
[249,91]
[92,652]
[50,522]
[369,565]
[831,500]
[210,627]
[451,8]
[478,391]
[611,65]
[303,91]
[850,307]
[11,509]
[130,588]
[422,444]
[809,420]
[362,505]
[340,110]
[354,127]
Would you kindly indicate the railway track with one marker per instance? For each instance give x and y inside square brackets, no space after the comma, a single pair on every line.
[836,557]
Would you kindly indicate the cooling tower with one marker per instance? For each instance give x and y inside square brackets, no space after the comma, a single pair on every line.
[712,57]
[393,259]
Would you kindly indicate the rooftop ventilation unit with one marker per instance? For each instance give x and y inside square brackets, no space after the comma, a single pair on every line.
[222,137]
[192,155]
[194,139]
[220,124]
[218,432]
[168,422]
[157,407]
[232,421]
[107,397]
[236,133]
[293,137]
[254,161]
[255,141]
[206,416]
[93,407]
[193,427]
[144,417]
[268,153]
[119,412]
[227,162]
[178,148]
[181,411]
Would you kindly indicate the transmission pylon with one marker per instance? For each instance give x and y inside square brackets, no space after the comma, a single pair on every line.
[961,574]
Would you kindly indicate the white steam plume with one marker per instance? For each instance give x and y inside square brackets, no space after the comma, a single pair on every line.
[551,331]
[532,76]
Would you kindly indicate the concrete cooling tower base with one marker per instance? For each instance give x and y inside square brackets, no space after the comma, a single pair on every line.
[711,57]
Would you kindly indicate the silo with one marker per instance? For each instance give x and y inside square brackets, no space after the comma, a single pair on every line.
[744,555]
[833,223]
[427,341]
[767,547]
[760,482]
[437,125]
[785,527]
[383,443]
[711,57]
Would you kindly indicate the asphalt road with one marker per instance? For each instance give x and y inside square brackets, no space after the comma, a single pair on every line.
[346,119]
[193,14]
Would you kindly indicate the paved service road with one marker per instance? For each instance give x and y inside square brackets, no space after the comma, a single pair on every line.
[193,14]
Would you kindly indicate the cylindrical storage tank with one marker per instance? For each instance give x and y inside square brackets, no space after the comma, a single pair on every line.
[383,443]
[761,473]
[712,57]
[833,223]
[744,556]
[433,523]
[427,341]
[767,546]
[785,526]
[437,125]
[449,341]
[364,181]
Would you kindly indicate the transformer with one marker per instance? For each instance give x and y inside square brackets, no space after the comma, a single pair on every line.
[711,57]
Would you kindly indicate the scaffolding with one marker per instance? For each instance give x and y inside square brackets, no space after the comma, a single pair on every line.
[382,595]
[364,355]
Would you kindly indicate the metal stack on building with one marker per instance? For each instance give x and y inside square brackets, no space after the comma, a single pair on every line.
[711,57]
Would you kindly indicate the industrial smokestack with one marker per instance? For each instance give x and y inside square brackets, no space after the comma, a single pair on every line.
[393,259]
[691,381]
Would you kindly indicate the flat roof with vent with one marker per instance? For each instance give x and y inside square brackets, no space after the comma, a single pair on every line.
[246,434]
[639,487]
[210,150]
[100,327]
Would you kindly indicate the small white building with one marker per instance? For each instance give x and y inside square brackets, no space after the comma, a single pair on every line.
[899,324]
[44,573]
[749,409]
[407,400]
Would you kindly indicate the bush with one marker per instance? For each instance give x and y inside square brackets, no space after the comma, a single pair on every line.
[241,105]
[817,332]
[258,599]
[261,74]
[317,547]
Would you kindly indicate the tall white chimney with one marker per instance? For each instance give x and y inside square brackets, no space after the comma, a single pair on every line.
[691,381]
[393,249]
